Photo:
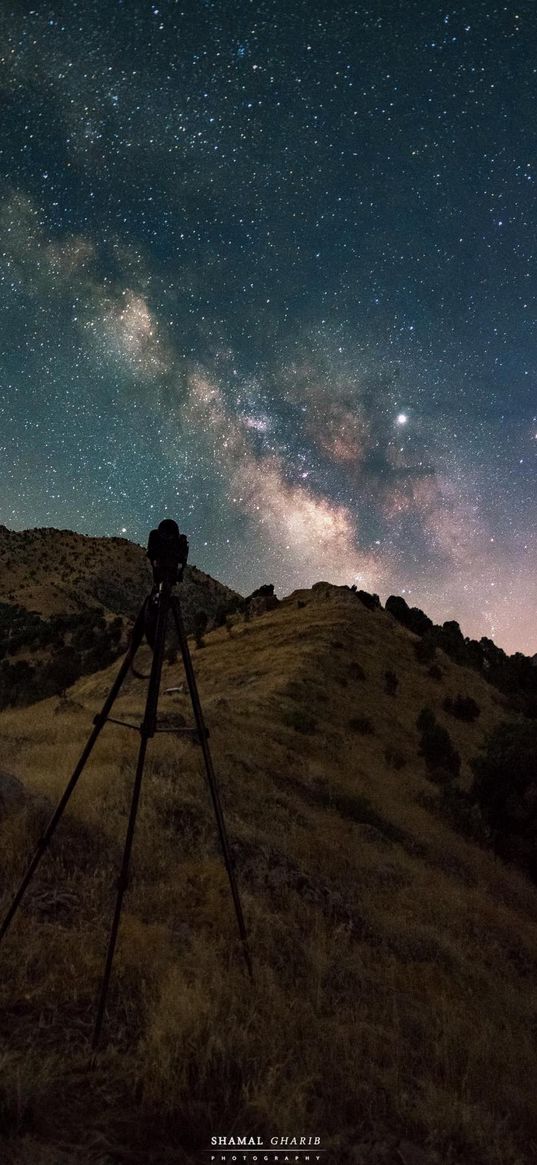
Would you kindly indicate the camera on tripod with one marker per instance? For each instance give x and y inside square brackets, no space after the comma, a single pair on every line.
[167,551]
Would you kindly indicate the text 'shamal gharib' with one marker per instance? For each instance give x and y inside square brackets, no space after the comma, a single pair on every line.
[258,1143]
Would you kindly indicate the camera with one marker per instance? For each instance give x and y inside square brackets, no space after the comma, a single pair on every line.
[167,550]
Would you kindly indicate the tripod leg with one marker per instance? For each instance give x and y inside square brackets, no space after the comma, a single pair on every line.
[122,884]
[211,778]
[147,730]
[100,721]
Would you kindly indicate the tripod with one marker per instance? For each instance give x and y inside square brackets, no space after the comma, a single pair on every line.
[163,600]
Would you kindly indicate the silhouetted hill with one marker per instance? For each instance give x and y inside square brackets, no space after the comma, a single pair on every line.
[393,1004]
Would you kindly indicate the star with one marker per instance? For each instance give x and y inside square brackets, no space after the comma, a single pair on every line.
[229,252]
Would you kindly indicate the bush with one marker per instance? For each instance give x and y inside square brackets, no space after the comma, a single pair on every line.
[17,684]
[200,625]
[435,672]
[462,813]
[505,788]
[220,615]
[356,671]
[442,760]
[361,724]
[425,649]
[63,670]
[462,707]
[391,683]
[395,759]
[426,719]
[300,721]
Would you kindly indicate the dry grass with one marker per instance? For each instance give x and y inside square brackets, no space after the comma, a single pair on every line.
[394,960]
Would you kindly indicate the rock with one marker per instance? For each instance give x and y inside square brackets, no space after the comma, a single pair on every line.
[266,589]
[372,602]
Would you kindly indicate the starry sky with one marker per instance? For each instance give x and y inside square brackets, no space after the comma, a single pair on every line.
[268,268]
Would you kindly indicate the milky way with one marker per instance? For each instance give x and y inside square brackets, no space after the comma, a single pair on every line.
[269,269]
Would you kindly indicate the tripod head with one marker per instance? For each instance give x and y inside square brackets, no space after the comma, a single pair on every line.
[167,551]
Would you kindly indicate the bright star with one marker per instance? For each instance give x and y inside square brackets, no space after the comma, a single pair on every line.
[402,419]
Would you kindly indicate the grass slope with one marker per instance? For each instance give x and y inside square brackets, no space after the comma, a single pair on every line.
[393,1008]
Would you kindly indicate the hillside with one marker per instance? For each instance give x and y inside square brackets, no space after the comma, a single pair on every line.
[67,603]
[59,572]
[393,1007]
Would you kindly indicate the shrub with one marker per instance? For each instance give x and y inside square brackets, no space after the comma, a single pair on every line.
[462,813]
[442,760]
[63,669]
[395,759]
[220,615]
[462,707]
[425,649]
[200,625]
[300,721]
[435,672]
[16,683]
[426,719]
[356,671]
[361,724]
[505,788]
[391,683]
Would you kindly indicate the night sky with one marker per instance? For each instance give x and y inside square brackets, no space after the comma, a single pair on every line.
[269,268]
